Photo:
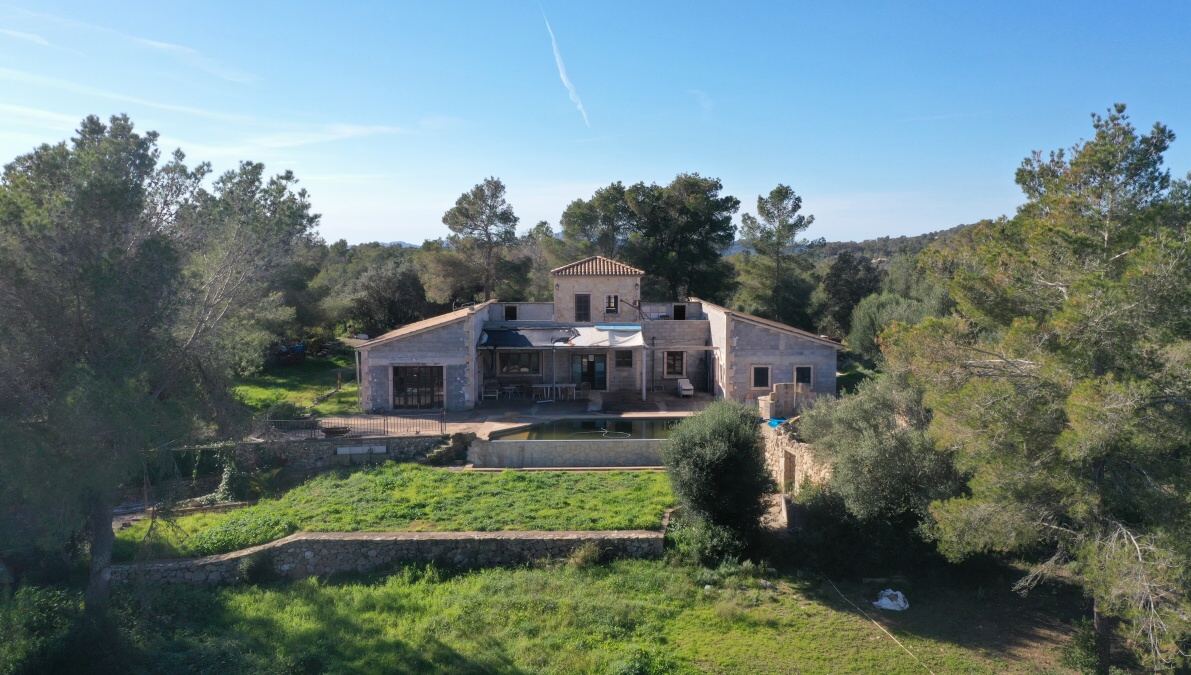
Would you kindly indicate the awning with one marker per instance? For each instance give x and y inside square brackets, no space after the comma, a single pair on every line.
[582,337]
[526,338]
[618,337]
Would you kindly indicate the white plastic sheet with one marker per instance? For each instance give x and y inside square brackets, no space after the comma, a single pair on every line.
[892,600]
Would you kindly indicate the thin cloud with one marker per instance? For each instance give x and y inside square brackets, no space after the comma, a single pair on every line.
[187,55]
[562,73]
[27,37]
[73,87]
[195,59]
[37,118]
[325,134]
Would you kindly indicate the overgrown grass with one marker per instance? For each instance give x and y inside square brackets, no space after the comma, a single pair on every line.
[852,373]
[301,383]
[414,497]
[623,617]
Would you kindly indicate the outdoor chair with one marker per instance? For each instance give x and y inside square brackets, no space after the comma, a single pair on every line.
[685,388]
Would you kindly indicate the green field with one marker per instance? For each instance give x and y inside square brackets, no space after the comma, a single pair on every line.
[623,617]
[414,497]
[301,383]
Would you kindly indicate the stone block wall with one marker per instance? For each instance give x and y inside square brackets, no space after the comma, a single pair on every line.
[324,553]
[627,287]
[315,454]
[791,463]
[691,337]
[520,454]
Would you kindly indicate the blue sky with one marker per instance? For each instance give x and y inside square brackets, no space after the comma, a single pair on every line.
[889,118]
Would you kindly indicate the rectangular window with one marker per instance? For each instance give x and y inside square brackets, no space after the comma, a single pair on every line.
[520,363]
[760,377]
[675,364]
[680,312]
[582,307]
[624,359]
[510,312]
[612,304]
[803,374]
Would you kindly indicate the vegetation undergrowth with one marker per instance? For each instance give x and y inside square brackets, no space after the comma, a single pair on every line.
[629,616]
[412,497]
[300,384]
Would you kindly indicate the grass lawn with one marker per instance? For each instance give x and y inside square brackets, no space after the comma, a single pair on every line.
[301,383]
[414,497]
[622,617]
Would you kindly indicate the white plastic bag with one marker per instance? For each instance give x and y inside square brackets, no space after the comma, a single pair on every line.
[892,600]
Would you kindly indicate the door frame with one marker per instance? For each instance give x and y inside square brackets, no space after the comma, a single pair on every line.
[442,374]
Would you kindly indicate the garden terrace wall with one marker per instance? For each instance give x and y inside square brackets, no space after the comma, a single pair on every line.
[523,454]
[314,454]
[324,553]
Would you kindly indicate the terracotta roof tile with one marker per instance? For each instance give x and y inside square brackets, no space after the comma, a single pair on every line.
[597,266]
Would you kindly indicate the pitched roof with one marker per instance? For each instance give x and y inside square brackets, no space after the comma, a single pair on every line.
[597,266]
[769,323]
[425,324]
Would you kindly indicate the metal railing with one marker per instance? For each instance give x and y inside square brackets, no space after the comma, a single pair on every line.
[354,426]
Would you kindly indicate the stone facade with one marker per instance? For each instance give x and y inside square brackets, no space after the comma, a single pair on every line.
[721,347]
[324,553]
[692,338]
[628,288]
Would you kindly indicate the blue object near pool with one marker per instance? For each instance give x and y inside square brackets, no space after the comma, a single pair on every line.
[775,422]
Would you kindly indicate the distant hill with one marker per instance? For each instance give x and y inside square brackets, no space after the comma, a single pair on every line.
[887,247]
[881,247]
[402,244]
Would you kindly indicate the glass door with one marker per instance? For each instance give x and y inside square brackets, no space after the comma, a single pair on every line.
[590,369]
[417,387]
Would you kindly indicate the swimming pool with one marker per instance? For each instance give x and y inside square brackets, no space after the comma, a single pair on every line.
[592,429]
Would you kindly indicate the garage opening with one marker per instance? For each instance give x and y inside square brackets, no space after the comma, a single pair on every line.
[418,387]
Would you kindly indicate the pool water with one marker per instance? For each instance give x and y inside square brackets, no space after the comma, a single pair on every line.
[587,429]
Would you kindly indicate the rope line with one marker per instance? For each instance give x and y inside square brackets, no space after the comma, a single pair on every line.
[878,625]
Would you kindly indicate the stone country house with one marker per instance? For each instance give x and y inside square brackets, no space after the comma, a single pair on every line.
[597,336]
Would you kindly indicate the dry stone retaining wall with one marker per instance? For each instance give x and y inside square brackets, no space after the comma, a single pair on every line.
[791,463]
[322,453]
[322,553]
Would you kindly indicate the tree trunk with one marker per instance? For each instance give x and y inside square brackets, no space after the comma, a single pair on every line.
[1102,625]
[99,525]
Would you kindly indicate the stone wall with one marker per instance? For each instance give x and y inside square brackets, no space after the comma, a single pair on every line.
[315,454]
[753,344]
[791,463]
[541,454]
[691,337]
[449,346]
[323,553]
[627,287]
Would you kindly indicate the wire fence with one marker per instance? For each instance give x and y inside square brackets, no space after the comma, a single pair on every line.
[354,426]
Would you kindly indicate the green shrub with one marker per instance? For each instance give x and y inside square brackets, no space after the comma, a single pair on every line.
[585,555]
[247,527]
[695,540]
[1080,652]
[642,661]
[35,626]
[717,467]
[257,569]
